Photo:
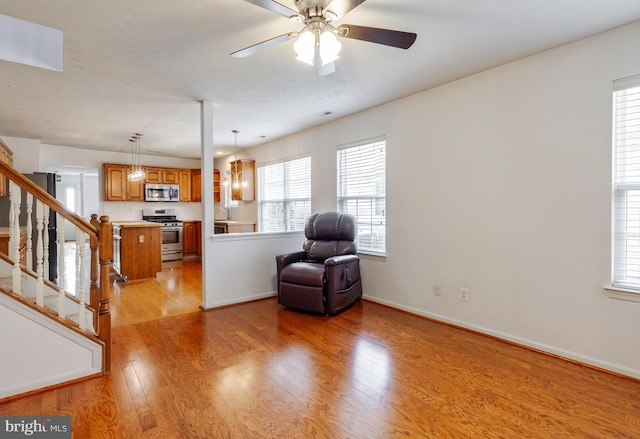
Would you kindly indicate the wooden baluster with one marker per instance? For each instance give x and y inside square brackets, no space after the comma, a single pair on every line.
[14,236]
[45,242]
[61,268]
[104,315]
[29,256]
[81,278]
[39,250]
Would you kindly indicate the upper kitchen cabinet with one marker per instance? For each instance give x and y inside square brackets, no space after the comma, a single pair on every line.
[6,157]
[184,179]
[216,186]
[196,185]
[162,175]
[243,171]
[118,188]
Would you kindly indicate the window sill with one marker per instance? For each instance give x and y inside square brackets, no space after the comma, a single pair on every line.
[373,256]
[622,294]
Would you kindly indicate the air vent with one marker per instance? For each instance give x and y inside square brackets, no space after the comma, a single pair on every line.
[324,113]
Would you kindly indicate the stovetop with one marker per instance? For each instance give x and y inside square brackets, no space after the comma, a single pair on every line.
[168,217]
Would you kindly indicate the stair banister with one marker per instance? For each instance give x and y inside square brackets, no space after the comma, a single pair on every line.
[101,241]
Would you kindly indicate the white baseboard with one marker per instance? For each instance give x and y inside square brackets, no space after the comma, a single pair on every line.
[601,364]
[238,301]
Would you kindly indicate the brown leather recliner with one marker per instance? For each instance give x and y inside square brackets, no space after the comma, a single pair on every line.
[324,277]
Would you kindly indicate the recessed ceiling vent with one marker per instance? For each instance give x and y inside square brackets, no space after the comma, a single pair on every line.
[324,113]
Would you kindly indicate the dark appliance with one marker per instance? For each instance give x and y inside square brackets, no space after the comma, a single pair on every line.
[171,231]
[161,192]
[47,181]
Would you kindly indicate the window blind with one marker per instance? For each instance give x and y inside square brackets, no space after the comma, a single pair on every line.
[362,191]
[626,183]
[284,195]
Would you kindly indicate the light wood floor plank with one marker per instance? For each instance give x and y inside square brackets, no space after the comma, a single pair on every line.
[259,371]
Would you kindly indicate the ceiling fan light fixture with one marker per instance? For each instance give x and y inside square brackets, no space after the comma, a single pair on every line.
[329,47]
[305,47]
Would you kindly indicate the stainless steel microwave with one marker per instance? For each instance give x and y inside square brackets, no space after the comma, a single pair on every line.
[161,192]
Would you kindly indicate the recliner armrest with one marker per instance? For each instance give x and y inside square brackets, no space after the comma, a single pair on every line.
[342,259]
[289,258]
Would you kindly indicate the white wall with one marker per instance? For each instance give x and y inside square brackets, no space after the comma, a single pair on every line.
[500,183]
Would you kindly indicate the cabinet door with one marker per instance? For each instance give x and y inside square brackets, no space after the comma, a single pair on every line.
[185,184]
[135,190]
[115,182]
[216,186]
[154,175]
[188,238]
[245,170]
[196,185]
[170,176]
[198,238]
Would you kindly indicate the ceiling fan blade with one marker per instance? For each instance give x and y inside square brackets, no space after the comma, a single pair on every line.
[394,38]
[275,7]
[341,7]
[242,53]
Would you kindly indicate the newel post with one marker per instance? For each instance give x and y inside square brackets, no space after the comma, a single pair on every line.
[104,314]
[94,295]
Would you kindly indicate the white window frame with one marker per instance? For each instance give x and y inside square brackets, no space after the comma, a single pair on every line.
[291,191]
[625,252]
[361,171]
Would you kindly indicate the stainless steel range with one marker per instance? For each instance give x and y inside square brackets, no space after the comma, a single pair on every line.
[171,231]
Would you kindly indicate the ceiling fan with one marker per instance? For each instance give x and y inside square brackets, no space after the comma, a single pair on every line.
[316,44]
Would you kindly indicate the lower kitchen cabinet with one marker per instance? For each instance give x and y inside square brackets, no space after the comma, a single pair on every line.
[140,249]
[192,238]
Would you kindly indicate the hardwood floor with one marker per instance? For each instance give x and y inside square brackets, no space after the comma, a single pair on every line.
[177,289]
[259,371]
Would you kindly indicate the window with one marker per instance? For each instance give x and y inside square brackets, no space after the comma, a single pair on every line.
[626,184]
[284,195]
[361,191]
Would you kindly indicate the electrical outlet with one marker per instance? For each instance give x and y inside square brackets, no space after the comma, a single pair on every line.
[436,289]
[464,294]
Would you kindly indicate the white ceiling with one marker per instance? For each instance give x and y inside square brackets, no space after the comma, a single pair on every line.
[143,66]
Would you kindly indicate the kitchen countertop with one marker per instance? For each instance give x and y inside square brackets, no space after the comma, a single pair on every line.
[125,224]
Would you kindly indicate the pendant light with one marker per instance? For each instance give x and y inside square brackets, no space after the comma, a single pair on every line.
[237,181]
[136,173]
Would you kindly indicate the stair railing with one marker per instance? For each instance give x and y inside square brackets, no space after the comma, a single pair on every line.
[100,234]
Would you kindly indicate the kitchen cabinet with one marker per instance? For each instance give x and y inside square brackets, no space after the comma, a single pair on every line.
[162,175]
[198,238]
[245,172]
[216,186]
[153,175]
[184,179]
[192,238]
[4,243]
[170,176]
[118,188]
[140,249]
[188,238]
[196,185]
[6,157]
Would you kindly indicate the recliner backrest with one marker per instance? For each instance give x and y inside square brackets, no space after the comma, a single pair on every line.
[329,234]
